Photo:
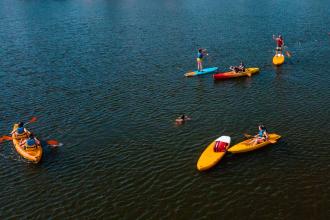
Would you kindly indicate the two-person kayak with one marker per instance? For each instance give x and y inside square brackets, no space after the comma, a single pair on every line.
[232,74]
[31,154]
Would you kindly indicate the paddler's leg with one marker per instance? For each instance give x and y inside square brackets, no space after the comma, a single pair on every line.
[254,141]
[199,64]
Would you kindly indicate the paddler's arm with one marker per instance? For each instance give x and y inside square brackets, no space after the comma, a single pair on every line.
[205,52]
[266,135]
[37,141]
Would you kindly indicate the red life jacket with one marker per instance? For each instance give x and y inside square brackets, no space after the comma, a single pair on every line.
[220,146]
[279,42]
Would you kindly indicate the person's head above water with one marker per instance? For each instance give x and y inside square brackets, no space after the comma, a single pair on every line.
[183,116]
[20,124]
[200,50]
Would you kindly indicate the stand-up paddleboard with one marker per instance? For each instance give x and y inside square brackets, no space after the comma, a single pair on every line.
[248,145]
[213,153]
[278,59]
[205,71]
[233,74]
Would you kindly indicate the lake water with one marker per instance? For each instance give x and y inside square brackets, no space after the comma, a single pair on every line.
[105,78]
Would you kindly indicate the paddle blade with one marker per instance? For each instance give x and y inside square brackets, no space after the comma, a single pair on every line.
[288,54]
[53,142]
[7,138]
[248,135]
[33,119]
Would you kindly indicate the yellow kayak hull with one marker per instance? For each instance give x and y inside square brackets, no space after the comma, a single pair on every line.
[246,146]
[33,155]
[278,59]
[209,157]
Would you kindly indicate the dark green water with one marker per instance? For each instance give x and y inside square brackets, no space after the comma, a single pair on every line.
[105,78]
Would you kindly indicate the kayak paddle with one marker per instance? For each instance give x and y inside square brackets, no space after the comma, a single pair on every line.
[288,54]
[33,119]
[250,136]
[53,143]
[5,138]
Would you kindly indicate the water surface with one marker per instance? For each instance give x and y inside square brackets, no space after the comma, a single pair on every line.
[106,79]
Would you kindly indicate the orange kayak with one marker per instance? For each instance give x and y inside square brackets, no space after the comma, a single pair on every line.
[34,155]
[247,145]
[232,74]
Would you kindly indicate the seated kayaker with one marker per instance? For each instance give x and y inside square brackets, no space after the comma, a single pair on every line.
[241,67]
[237,69]
[182,119]
[261,136]
[30,142]
[234,68]
[20,132]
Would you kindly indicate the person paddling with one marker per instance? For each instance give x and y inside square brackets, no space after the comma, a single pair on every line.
[261,136]
[240,68]
[20,132]
[182,119]
[30,142]
[279,44]
[200,55]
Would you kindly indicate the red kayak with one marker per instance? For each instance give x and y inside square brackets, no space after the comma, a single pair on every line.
[232,74]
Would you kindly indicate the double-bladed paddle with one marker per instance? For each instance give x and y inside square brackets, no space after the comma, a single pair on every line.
[251,136]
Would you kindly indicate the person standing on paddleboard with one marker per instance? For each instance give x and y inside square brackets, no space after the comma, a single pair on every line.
[200,55]
[279,44]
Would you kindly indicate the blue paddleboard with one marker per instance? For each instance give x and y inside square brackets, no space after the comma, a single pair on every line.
[205,71]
